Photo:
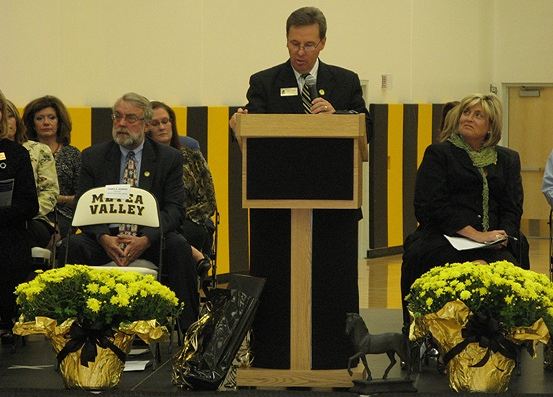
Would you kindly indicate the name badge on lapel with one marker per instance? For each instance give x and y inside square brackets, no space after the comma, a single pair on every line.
[291,91]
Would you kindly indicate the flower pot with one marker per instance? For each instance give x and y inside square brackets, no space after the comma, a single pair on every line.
[87,359]
[91,359]
[102,373]
[475,363]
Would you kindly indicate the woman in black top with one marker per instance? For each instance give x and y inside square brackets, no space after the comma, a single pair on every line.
[16,177]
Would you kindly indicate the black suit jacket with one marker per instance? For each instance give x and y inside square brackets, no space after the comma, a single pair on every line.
[160,174]
[339,86]
[15,163]
[448,193]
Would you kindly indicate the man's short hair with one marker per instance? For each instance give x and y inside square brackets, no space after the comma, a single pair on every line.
[139,101]
[307,16]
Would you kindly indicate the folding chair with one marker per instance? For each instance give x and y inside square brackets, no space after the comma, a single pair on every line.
[44,258]
[136,206]
[115,204]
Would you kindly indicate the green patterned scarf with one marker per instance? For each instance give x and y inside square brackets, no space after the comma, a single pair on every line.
[480,159]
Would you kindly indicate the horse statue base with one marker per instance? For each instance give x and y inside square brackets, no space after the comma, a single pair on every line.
[368,387]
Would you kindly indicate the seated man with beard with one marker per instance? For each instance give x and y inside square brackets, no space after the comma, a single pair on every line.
[159,172]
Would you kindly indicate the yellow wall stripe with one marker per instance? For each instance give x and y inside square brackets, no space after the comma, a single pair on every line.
[393,298]
[395,175]
[218,158]
[81,117]
[424,130]
[181,115]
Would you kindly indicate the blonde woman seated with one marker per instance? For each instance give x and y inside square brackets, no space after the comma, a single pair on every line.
[467,185]
[41,228]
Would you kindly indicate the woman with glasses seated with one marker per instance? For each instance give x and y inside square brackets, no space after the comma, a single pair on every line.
[199,201]
[18,205]
[42,227]
[47,121]
[466,186]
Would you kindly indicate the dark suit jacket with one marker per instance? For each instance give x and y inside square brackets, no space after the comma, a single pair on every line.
[15,163]
[160,174]
[341,88]
[448,197]
[448,193]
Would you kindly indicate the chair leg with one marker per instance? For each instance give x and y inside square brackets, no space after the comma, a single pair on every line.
[156,354]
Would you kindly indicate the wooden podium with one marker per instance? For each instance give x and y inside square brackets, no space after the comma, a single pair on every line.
[301,162]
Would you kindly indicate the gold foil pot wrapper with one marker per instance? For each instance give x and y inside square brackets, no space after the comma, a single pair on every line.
[105,371]
[147,330]
[534,334]
[446,325]
[190,345]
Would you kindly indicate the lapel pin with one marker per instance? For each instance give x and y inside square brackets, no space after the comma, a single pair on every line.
[321,92]
[146,173]
[2,156]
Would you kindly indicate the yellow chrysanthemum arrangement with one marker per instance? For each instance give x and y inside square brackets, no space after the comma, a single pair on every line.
[96,298]
[510,294]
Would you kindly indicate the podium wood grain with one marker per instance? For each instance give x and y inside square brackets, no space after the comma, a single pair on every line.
[331,378]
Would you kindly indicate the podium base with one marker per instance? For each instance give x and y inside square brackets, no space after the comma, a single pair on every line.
[327,378]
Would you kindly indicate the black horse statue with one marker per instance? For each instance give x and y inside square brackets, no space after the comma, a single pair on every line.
[365,343]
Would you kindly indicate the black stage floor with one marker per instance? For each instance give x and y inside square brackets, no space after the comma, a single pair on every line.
[31,372]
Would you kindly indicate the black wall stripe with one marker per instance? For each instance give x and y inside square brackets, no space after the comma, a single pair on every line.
[410,138]
[237,217]
[378,178]
[101,125]
[196,126]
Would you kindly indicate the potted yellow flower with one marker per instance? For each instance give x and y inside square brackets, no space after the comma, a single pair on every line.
[479,315]
[91,316]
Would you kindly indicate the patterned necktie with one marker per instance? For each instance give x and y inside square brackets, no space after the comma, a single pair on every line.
[129,177]
[305,95]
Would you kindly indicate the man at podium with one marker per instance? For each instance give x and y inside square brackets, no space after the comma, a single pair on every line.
[330,89]
[304,84]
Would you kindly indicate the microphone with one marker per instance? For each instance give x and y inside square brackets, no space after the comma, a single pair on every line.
[311,86]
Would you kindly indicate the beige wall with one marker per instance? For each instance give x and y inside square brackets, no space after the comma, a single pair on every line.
[523,51]
[188,52]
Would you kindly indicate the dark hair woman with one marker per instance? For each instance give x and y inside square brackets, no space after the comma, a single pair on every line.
[47,121]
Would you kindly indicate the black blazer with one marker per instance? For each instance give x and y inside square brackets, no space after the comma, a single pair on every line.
[448,192]
[15,251]
[339,86]
[160,174]
[15,163]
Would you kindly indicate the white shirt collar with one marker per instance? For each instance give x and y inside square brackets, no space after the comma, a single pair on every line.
[313,72]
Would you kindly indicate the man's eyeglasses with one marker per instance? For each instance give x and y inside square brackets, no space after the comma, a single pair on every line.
[156,123]
[307,47]
[129,118]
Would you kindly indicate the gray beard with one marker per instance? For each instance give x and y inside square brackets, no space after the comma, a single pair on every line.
[127,141]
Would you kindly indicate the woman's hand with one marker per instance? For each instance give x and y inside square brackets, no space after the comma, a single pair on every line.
[491,236]
[483,237]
